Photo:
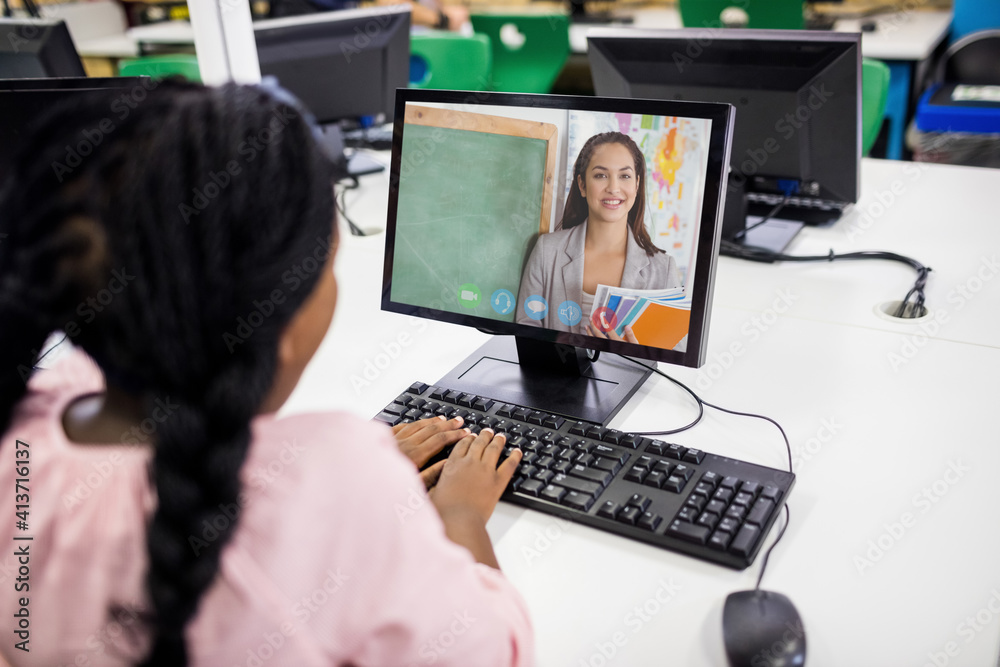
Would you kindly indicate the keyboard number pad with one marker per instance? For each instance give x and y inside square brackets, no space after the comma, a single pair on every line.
[726,513]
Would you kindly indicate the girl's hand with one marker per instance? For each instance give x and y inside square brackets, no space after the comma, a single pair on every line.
[611,335]
[421,440]
[471,483]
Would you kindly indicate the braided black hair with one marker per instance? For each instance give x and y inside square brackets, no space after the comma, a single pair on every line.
[202,201]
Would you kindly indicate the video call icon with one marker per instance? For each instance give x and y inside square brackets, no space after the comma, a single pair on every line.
[469,295]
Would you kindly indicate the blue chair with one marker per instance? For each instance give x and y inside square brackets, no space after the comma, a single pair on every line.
[969,16]
[766,14]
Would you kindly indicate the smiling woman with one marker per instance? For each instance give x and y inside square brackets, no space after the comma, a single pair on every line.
[602,240]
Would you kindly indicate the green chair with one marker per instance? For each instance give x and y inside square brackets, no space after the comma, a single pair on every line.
[159,67]
[874,92]
[448,60]
[767,14]
[529,49]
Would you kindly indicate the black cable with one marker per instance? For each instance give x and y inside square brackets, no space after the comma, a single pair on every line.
[773,212]
[6,9]
[767,554]
[912,304]
[342,207]
[701,404]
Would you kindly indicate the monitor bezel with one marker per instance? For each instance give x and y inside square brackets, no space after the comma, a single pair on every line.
[709,232]
[53,47]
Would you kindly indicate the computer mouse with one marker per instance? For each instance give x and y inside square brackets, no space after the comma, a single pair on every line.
[762,628]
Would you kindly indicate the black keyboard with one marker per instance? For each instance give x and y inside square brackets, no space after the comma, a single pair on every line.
[674,497]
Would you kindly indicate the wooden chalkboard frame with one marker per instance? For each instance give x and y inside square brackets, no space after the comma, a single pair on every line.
[513,127]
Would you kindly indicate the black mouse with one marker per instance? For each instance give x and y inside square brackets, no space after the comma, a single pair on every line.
[762,629]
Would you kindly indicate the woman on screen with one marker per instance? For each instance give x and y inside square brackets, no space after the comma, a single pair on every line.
[602,241]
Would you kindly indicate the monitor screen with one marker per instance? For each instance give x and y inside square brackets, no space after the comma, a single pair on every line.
[797,97]
[342,65]
[24,101]
[574,222]
[37,48]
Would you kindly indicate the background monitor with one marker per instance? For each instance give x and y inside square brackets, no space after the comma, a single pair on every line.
[798,105]
[24,101]
[37,48]
[477,181]
[343,65]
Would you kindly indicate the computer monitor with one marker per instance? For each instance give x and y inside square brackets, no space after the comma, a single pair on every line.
[490,226]
[37,48]
[24,101]
[343,65]
[797,95]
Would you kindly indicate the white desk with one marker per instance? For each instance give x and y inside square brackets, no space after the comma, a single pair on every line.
[894,432]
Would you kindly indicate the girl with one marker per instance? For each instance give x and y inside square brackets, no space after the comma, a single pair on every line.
[172,518]
[602,240]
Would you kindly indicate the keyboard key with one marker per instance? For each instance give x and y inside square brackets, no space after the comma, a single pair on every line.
[602,477]
[561,466]
[697,502]
[613,435]
[566,454]
[587,460]
[403,398]
[580,501]
[737,512]
[689,532]
[728,525]
[544,475]
[521,414]
[532,487]
[482,404]
[553,421]
[553,493]
[703,489]
[604,463]
[694,456]
[649,521]
[712,478]
[646,462]
[413,414]
[579,428]
[466,400]
[753,488]
[452,396]
[745,539]
[761,512]
[395,409]
[655,479]
[636,474]
[630,440]
[730,482]
[629,515]
[657,447]
[608,509]
[682,471]
[388,418]
[526,470]
[595,432]
[611,452]
[772,493]
[743,499]
[418,388]
[720,540]
[707,519]
[674,483]
[688,514]
[438,394]
[535,418]
[418,403]
[724,495]
[639,500]
[574,484]
[674,452]
[662,466]
[550,449]
[715,507]
[585,446]
[506,410]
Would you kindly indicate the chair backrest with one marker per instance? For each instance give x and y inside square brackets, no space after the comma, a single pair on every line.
[764,14]
[448,60]
[158,67]
[874,92]
[974,59]
[973,15]
[529,49]
[89,20]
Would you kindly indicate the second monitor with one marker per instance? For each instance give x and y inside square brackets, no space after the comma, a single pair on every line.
[797,139]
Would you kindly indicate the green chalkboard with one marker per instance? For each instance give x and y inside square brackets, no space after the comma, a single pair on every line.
[469,210]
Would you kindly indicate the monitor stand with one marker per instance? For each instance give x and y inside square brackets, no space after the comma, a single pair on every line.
[738,225]
[550,377]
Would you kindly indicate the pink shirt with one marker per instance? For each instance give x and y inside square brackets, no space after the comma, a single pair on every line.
[338,559]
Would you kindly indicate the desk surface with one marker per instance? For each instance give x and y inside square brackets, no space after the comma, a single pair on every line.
[909,35]
[893,549]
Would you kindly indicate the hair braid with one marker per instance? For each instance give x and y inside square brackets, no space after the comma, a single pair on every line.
[191,272]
